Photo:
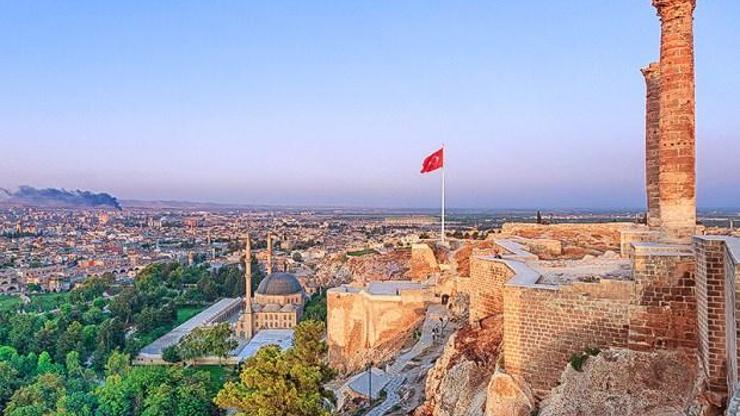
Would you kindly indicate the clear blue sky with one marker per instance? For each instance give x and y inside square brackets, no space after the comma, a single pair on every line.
[540,103]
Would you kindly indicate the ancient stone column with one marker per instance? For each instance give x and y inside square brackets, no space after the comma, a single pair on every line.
[652,141]
[677,155]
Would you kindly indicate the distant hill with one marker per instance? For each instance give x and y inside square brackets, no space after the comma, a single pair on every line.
[61,198]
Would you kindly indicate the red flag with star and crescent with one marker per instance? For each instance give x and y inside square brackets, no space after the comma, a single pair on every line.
[433,161]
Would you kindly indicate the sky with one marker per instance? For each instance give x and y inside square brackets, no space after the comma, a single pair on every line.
[540,104]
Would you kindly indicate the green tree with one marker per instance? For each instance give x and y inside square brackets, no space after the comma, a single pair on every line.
[171,354]
[38,398]
[9,381]
[71,340]
[161,401]
[289,383]
[203,341]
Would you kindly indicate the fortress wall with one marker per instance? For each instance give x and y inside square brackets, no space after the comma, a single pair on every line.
[710,293]
[639,235]
[544,325]
[364,327]
[663,311]
[732,326]
[487,278]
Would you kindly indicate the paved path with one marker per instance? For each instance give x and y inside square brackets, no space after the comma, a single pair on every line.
[395,371]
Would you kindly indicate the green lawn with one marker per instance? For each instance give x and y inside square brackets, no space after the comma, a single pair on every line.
[39,303]
[219,375]
[186,312]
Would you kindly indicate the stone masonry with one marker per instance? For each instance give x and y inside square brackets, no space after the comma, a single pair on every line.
[710,292]
[663,310]
[677,173]
[544,325]
[487,279]
[652,143]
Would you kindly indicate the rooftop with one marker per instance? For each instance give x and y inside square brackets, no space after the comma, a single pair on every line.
[280,337]
[203,318]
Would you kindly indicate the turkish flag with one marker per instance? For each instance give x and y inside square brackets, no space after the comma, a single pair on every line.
[433,161]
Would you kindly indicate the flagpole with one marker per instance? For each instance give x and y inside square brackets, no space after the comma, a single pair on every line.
[444,162]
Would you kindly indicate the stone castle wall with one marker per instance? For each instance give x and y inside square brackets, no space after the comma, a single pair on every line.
[663,310]
[732,326]
[544,325]
[718,288]
[710,291]
[486,282]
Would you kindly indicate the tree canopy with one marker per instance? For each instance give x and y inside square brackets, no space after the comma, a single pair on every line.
[283,383]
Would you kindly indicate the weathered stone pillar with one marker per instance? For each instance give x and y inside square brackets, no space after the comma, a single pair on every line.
[677,155]
[652,142]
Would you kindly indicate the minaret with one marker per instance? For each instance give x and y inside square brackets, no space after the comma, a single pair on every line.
[269,253]
[245,324]
[248,275]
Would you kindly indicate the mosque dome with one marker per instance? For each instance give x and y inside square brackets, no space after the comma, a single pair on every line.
[279,284]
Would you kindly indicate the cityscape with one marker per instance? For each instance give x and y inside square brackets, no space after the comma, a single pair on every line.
[231,282]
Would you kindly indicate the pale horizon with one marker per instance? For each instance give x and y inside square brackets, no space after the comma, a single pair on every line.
[324,104]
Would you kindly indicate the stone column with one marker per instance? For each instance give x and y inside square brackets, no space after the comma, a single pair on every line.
[677,174]
[652,141]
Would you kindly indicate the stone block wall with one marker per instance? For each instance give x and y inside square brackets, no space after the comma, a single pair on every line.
[710,294]
[487,278]
[663,310]
[732,326]
[545,325]
[632,236]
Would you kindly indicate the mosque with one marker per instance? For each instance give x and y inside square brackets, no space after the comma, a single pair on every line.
[278,302]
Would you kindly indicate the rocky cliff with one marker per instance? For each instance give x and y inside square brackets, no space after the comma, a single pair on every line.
[620,382]
[457,384]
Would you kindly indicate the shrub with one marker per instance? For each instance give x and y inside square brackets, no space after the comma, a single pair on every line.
[577,359]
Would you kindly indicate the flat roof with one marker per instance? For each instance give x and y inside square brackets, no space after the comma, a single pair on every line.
[203,318]
[283,338]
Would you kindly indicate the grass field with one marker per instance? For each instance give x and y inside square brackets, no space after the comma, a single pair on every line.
[186,312]
[39,303]
[219,375]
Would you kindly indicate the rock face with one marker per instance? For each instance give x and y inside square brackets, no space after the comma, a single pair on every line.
[622,383]
[458,383]
[338,269]
[423,262]
[508,396]
[362,330]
